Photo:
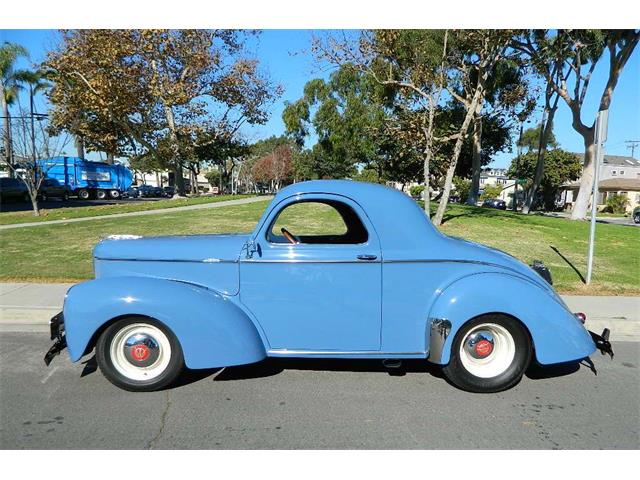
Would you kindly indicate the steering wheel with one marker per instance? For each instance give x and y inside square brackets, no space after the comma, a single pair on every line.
[289,236]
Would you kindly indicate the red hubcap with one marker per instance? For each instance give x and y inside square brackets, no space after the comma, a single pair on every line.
[140,352]
[483,348]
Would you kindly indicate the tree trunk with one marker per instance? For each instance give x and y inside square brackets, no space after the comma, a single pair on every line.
[478,94]
[476,159]
[33,196]
[175,149]
[8,153]
[426,195]
[80,146]
[581,203]
[111,159]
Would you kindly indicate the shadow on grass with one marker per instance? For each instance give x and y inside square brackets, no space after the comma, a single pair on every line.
[582,279]
[460,211]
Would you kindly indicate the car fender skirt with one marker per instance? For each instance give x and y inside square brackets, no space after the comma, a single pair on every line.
[557,335]
[212,330]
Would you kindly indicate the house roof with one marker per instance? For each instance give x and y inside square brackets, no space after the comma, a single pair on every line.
[618,160]
[632,184]
[614,184]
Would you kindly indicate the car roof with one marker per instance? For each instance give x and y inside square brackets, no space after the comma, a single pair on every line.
[397,219]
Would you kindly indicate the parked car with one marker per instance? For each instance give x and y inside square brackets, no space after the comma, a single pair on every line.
[169,191]
[495,203]
[51,188]
[374,280]
[131,192]
[146,191]
[13,189]
[636,215]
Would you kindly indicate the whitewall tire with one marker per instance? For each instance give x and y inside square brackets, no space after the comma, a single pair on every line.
[489,354]
[139,354]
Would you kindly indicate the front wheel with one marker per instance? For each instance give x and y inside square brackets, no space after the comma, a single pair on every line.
[139,354]
[83,194]
[489,354]
[636,218]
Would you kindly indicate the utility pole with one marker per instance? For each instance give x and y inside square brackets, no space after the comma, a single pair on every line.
[631,145]
[515,185]
[601,137]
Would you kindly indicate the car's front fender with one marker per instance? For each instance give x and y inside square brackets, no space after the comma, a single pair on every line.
[212,330]
[557,335]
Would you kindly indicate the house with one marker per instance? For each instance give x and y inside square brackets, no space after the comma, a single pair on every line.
[619,175]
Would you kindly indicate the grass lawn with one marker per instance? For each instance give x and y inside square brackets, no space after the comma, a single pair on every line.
[63,252]
[65,213]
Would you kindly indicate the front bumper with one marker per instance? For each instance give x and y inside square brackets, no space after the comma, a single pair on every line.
[56,326]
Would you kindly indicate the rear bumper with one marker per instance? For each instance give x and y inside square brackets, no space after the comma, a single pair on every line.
[56,327]
[602,342]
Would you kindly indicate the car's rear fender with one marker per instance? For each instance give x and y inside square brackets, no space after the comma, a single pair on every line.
[557,335]
[212,330]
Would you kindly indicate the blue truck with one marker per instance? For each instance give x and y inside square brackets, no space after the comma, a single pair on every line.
[88,179]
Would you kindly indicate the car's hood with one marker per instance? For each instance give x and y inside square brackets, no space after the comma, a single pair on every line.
[194,248]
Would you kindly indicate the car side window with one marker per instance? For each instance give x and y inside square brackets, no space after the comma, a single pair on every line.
[318,222]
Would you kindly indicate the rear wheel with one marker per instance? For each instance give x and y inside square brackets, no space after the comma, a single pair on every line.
[101,194]
[139,354]
[489,354]
[115,194]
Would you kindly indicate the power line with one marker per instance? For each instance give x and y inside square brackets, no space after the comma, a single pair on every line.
[632,144]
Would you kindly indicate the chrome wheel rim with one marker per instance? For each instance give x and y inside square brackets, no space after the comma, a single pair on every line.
[487,350]
[140,352]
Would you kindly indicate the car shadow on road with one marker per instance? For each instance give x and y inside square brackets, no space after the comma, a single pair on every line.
[539,372]
[274,366]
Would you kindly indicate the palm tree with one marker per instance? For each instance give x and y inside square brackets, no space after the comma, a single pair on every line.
[9,87]
[37,82]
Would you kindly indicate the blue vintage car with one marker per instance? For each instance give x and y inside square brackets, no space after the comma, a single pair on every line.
[333,269]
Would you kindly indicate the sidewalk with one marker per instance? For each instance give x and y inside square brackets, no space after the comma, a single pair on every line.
[200,206]
[29,306]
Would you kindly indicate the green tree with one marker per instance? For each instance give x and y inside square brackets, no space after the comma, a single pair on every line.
[530,140]
[345,112]
[9,87]
[567,60]
[462,186]
[139,88]
[559,167]
[491,191]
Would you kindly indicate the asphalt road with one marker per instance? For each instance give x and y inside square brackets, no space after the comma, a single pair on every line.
[290,404]
[55,203]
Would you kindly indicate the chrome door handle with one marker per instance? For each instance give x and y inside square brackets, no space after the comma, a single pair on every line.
[366,257]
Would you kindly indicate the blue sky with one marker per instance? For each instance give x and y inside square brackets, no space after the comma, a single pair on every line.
[285,55]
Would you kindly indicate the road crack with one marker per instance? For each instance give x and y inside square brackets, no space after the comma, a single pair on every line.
[163,422]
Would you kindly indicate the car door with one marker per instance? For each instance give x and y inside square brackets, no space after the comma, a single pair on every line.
[323,292]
